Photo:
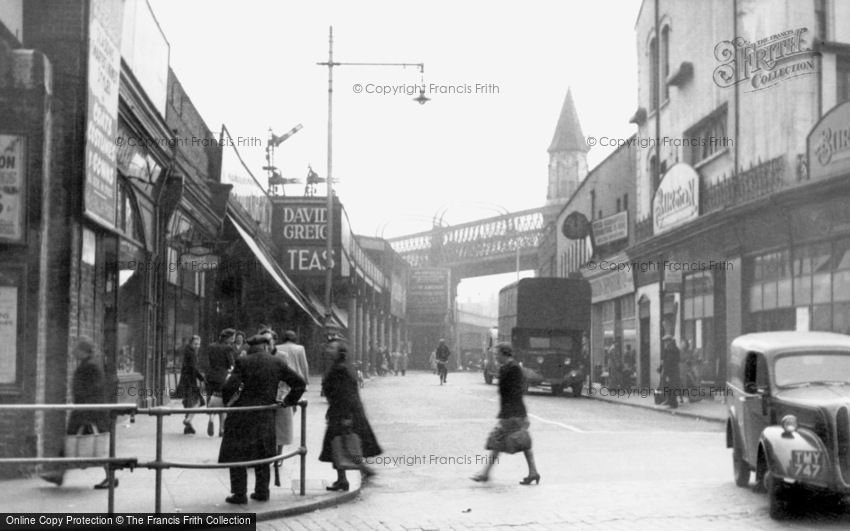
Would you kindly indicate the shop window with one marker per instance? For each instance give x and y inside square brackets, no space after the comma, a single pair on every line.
[842,74]
[665,63]
[822,317]
[706,136]
[841,318]
[653,74]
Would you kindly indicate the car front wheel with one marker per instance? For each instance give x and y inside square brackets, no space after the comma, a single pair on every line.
[557,390]
[741,469]
[488,378]
[778,495]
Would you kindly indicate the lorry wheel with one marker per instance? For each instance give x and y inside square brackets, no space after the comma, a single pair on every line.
[557,390]
[740,468]
[577,390]
[488,378]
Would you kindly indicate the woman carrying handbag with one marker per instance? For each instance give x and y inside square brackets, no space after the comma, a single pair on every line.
[88,387]
[511,433]
[349,439]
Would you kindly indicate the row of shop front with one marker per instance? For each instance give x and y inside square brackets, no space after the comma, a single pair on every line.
[779,263]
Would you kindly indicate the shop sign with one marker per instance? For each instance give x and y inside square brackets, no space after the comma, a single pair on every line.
[199,262]
[104,71]
[673,280]
[612,285]
[611,229]
[677,198]
[575,226]
[305,260]
[12,187]
[828,145]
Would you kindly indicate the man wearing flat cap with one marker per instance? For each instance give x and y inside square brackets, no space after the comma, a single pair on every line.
[218,358]
[670,381]
[250,435]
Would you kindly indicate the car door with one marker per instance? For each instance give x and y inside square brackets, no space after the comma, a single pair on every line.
[754,408]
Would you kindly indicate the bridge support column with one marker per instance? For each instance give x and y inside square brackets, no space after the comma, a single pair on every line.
[352,327]
[361,343]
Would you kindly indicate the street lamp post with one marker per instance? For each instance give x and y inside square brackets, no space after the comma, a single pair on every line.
[329,259]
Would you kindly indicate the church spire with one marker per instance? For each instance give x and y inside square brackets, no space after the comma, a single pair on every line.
[568,135]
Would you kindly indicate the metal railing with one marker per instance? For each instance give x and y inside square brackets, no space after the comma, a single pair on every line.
[112,463]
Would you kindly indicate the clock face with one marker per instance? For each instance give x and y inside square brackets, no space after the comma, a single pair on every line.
[575,226]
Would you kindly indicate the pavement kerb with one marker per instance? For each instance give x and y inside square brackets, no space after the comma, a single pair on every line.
[674,412]
[309,507]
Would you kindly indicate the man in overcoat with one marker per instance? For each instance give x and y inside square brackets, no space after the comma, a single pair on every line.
[250,435]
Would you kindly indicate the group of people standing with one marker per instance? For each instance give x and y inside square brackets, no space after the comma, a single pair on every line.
[392,362]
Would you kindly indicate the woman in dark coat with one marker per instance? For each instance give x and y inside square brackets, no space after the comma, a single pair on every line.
[190,377]
[88,387]
[345,413]
[512,417]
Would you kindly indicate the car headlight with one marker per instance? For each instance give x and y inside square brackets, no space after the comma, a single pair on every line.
[789,423]
[540,360]
[573,374]
[567,361]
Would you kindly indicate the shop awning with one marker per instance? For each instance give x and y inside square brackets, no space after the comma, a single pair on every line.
[340,318]
[270,266]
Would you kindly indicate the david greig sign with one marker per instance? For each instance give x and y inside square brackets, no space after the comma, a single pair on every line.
[300,231]
[677,199]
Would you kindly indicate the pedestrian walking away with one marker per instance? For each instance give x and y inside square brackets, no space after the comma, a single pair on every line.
[511,433]
[670,382]
[442,355]
[250,435]
[191,378]
[220,358]
[87,387]
[346,419]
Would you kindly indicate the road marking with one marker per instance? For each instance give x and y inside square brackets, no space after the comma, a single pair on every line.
[565,426]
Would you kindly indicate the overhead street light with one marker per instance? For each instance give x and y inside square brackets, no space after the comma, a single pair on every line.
[421,99]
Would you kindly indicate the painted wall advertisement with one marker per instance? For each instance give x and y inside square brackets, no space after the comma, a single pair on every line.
[104,72]
[677,198]
[428,291]
[8,334]
[12,187]
[611,229]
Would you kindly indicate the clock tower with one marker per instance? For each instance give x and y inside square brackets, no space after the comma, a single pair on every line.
[567,160]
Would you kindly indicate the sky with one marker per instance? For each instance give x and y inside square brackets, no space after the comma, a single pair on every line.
[496,72]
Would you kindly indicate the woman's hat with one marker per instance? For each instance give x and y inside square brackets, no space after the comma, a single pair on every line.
[227,332]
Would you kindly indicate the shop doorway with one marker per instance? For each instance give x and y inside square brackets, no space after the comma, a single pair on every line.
[644,353]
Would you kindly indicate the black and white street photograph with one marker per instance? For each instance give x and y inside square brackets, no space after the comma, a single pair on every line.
[403,266]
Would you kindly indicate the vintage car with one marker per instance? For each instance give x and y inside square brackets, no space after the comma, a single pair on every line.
[789,414]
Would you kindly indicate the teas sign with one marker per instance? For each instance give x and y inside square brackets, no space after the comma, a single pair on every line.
[104,71]
[677,198]
[12,186]
[829,144]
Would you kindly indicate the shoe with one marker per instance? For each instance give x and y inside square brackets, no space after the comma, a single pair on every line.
[338,485]
[367,473]
[531,479]
[259,497]
[105,483]
[239,500]
[187,428]
[480,478]
[57,478]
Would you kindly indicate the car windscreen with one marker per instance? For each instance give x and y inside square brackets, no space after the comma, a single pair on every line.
[812,368]
[550,342]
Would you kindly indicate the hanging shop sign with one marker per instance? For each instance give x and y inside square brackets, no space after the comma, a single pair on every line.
[828,145]
[677,199]
[576,226]
[12,188]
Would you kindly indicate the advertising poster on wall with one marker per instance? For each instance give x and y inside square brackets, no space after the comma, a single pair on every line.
[12,187]
[104,73]
[8,334]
